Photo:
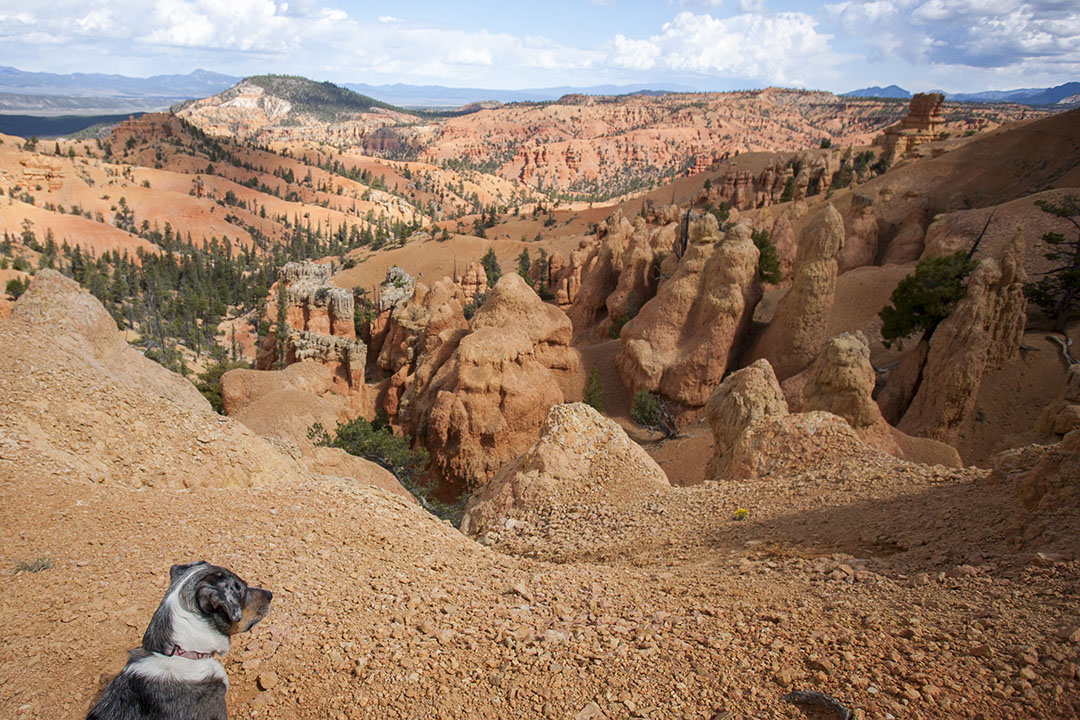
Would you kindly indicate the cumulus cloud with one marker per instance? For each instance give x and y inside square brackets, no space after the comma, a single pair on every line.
[1013,36]
[783,48]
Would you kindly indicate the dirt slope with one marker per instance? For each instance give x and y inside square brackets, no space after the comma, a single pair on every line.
[906,591]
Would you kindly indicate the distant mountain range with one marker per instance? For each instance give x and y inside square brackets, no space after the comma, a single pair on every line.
[437,96]
[42,93]
[1067,95]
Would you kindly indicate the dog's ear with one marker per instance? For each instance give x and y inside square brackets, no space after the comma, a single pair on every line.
[177,571]
[212,598]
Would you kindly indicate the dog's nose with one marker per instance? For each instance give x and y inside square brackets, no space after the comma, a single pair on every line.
[269,595]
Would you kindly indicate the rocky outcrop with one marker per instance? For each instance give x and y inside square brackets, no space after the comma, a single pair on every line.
[745,395]
[59,305]
[841,381]
[800,324]
[319,326]
[78,402]
[606,282]
[421,335]
[922,124]
[1063,414]
[581,456]
[44,171]
[395,290]
[484,405]
[982,332]
[284,404]
[795,442]
[1043,476]
[860,235]
[681,342]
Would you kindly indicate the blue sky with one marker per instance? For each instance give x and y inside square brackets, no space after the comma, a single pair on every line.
[956,45]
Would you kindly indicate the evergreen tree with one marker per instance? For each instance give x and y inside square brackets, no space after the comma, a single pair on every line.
[524,264]
[926,297]
[491,267]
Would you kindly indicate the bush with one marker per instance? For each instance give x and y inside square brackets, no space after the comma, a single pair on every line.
[768,260]
[209,382]
[646,409]
[15,287]
[789,190]
[594,394]
[926,297]
[375,441]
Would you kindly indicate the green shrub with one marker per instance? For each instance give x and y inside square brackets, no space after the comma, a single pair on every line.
[594,394]
[789,190]
[375,441]
[491,267]
[646,409]
[926,297]
[15,287]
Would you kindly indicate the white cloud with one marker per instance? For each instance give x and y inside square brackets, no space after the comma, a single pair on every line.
[1011,37]
[781,48]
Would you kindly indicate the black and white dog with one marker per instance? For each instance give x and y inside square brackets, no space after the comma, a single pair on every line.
[174,675]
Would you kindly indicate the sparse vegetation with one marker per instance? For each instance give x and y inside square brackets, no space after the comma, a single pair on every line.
[36,565]
[14,288]
[648,410]
[1058,290]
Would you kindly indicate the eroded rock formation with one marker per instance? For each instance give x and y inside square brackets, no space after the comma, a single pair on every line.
[799,327]
[982,332]
[922,124]
[319,326]
[680,343]
[485,403]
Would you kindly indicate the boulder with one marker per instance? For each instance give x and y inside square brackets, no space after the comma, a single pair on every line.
[791,443]
[580,457]
[682,341]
